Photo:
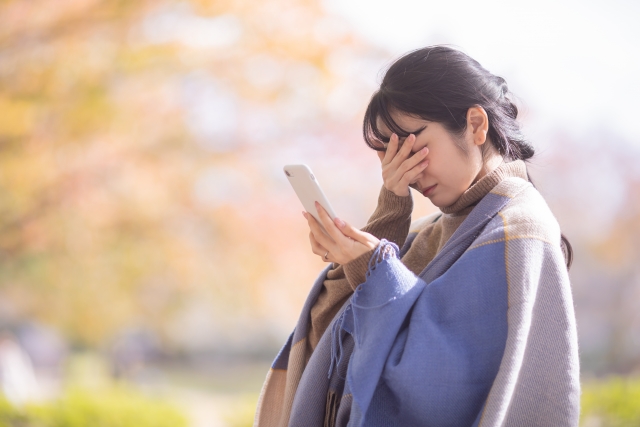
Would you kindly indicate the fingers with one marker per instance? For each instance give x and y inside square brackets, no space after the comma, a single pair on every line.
[336,229]
[328,224]
[316,247]
[414,161]
[320,250]
[350,244]
[411,176]
[345,235]
[392,149]
[356,234]
[395,155]
[405,167]
[404,151]
[319,234]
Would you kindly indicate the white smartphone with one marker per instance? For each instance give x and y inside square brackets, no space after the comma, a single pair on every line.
[308,189]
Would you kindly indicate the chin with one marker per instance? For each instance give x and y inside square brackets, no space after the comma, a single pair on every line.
[439,203]
[435,202]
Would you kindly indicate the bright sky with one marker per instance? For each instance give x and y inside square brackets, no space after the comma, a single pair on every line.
[575,64]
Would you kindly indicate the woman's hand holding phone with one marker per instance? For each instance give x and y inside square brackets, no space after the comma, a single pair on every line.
[341,242]
[399,168]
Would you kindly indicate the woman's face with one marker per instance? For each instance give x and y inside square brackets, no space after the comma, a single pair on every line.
[450,171]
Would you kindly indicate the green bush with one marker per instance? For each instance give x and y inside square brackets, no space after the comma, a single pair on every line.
[613,402]
[115,407]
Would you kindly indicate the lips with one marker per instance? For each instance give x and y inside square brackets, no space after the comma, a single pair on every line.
[428,190]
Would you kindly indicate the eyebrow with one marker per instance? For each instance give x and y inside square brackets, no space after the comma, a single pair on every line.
[404,134]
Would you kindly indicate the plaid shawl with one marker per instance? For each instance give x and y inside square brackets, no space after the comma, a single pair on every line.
[484,336]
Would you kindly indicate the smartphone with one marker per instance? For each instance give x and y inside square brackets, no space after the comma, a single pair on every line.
[308,189]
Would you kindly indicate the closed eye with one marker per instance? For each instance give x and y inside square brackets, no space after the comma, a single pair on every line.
[403,135]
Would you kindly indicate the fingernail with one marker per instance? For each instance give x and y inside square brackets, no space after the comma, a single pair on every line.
[304,214]
[424,150]
[340,223]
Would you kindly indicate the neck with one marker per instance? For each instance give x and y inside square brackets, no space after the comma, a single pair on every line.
[489,166]
[477,191]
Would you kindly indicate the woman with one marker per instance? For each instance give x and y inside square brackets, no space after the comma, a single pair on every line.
[471,322]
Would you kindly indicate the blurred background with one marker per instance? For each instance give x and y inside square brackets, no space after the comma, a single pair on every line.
[153,258]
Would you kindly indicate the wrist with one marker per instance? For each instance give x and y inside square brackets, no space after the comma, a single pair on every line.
[398,192]
[355,270]
[399,204]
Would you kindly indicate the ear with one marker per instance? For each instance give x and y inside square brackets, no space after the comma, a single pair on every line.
[478,124]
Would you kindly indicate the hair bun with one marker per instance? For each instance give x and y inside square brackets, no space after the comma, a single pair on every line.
[524,150]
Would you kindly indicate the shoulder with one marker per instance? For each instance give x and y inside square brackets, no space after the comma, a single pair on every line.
[525,216]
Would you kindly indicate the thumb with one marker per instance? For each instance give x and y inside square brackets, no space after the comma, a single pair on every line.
[350,231]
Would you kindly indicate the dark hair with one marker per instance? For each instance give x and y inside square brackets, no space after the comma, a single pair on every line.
[440,84]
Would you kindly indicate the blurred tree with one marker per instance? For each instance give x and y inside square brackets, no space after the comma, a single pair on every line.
[138,157]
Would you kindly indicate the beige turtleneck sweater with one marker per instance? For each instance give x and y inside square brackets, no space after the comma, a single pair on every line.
[391,221]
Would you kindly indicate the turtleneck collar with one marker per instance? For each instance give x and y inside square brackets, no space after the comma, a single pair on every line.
[477,191]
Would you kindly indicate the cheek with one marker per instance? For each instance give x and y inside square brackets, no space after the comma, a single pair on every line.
[443,168]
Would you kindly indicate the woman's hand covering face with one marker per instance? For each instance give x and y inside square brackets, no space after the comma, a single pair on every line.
[399,168]
[339,241]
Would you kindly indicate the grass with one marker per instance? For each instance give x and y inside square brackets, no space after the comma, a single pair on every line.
[611,402]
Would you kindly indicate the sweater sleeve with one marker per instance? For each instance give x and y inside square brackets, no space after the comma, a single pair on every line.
[392,217]
[390,221]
